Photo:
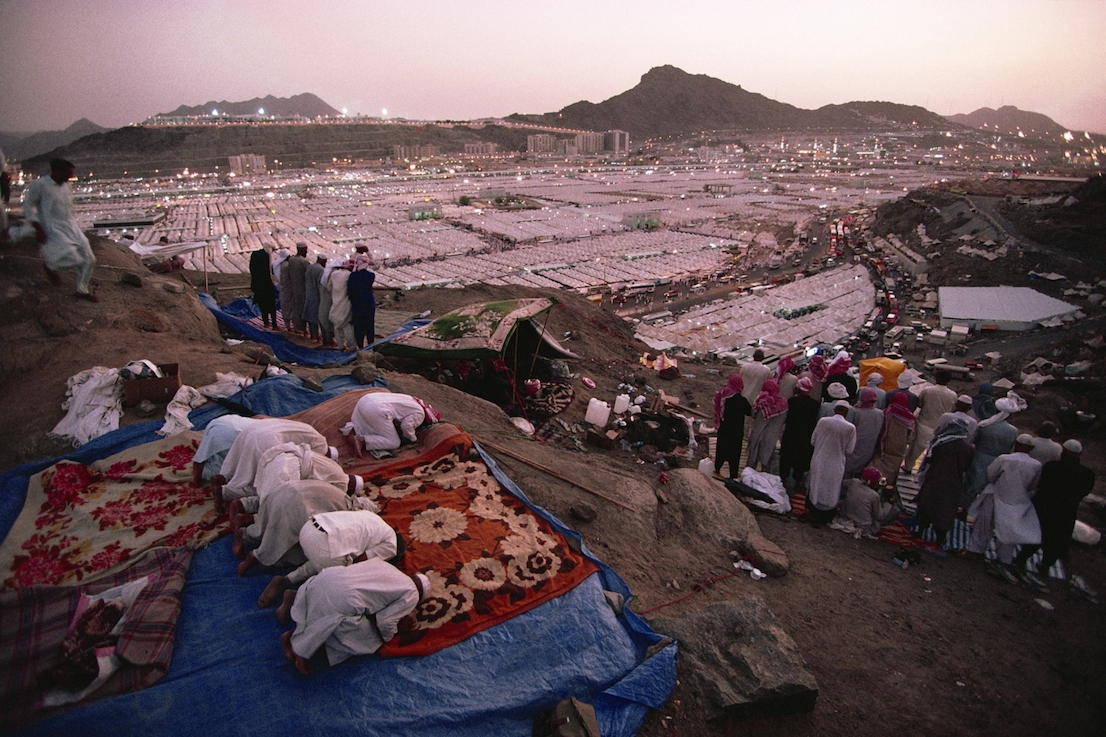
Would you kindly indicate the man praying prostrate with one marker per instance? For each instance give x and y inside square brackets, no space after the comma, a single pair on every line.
[349,610]
[338,539]
[236,479]
[383,420]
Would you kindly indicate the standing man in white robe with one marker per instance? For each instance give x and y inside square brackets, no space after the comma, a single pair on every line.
[834,438]
[1004,509]
[341,310]
[754,373]
[48,207]
[349,610]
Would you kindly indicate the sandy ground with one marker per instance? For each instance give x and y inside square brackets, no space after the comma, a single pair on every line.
[960,653]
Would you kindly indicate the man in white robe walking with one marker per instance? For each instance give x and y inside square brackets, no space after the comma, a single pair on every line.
[833,439]
[48,207]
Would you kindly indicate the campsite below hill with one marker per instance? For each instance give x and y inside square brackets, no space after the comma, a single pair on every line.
[941,647]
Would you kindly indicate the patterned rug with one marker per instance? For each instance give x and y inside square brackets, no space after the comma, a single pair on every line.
[488,557]
[82,522]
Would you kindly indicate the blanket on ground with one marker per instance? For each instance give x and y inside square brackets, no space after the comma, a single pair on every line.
[239,315]
[81,521]
[35,620]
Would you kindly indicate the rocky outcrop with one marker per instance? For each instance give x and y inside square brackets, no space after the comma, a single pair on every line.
[738,660]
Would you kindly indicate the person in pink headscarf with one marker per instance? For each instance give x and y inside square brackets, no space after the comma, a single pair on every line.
[817,371]
[864,509]
[898,431]
[769,416]
[730,411]
[868,420]
[795,447]
[785,378]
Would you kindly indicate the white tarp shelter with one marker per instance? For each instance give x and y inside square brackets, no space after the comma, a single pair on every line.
[1001,308]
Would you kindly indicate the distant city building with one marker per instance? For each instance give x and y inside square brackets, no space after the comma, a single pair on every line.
[589,143]
[247,164]
[541,143]
[568,147]
[616,141]
[416,152]
[482,148]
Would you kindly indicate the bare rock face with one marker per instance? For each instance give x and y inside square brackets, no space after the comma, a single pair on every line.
[766,555]
[702,509]
[736,656]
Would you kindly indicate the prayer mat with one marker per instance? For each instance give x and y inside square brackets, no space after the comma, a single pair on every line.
[35,620]
[82,522]
[487,555]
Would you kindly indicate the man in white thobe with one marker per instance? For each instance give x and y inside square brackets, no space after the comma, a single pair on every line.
[933,402]
[48,207]
[833,439]
[962,411]
[338,538]
[349,610]
[219,436]
[275,531]
[380,419]
[1004,509]
[240,465]
[754,373]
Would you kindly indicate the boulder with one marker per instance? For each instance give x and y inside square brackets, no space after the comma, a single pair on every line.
[766,555]
[738,660]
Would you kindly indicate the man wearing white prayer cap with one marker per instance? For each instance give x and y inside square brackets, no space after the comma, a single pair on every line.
[833,439]
[1004,510]
[1063,485]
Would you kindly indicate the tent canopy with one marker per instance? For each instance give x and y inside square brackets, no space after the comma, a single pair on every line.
[481,330]
[888,368]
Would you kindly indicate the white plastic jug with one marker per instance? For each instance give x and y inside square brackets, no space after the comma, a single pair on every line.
[598,412]
[621,403]
[706,467]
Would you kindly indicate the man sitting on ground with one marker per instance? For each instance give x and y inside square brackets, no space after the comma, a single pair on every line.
[349,610]
[864,509]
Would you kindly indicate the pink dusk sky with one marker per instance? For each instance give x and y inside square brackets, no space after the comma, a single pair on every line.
[120,61]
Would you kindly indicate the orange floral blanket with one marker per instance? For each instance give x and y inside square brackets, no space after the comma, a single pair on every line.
[82,522]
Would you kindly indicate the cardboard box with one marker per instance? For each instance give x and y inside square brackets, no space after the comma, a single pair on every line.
[158,391]
[607,440]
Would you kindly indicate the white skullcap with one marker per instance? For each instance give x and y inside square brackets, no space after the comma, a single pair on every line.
[1024,439]
[964,399]
[358,485]
[1073,446]
[842,403]
[875,379]
[332,452]
[425,583]
[838,390]
[906,379]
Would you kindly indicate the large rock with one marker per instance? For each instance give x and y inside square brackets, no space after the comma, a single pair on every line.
[700,509]
[739,660]
[766,555]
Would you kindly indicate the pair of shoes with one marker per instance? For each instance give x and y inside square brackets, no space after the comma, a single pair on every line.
[89,296]
[1032,581]
[1003,571]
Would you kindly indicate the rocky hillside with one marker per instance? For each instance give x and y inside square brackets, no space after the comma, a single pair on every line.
[1010,120]
[303,106]
[23,146]
[669,101]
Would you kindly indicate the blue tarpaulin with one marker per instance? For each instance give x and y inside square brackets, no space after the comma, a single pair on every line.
[229,676]
[236,315]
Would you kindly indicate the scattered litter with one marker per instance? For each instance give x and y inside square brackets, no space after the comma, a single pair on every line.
[754,573]
[926,578]
[960,683]
[1044,605]
[234,341]
[587,382]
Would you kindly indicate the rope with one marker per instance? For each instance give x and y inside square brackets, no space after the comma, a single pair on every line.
[698,587]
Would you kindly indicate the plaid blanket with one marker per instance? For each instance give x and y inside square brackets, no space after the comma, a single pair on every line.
[82,522]
[34,622]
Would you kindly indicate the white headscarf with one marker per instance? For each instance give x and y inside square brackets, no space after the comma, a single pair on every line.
[1006,406]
